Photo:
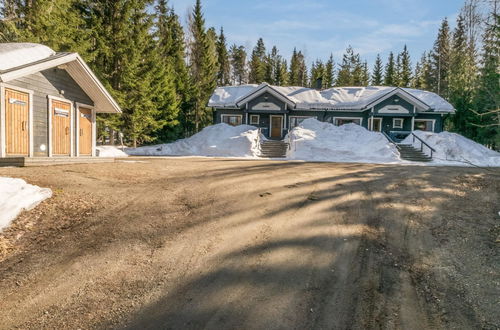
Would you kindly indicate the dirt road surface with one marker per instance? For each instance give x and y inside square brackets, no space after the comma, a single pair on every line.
[225,244]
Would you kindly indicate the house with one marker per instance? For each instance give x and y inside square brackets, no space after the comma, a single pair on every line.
[48,103]
[276,109]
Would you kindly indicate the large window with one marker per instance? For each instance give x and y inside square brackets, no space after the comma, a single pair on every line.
[338,121]
[297,120]
[424,125]
[233,120]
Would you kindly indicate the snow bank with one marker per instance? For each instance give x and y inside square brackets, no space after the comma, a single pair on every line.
[16,54]
[219,140]
[453,149]
[16,195]
[318,141]
[110,151]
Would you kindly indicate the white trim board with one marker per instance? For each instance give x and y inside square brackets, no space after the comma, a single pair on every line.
[402,123]
[258,119]
[3,137]
[261,90]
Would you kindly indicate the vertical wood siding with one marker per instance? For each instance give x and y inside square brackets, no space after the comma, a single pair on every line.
[17,122]
[61,128]
[85,131]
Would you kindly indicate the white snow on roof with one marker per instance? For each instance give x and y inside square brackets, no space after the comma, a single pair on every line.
[333,98]
[16,54]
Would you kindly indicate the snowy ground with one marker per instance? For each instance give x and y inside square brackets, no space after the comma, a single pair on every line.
[454,149]
[318,141]
[219,140]
[16,195]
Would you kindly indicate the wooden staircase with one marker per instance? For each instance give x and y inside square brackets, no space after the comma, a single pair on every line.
[273,149]
[409,152]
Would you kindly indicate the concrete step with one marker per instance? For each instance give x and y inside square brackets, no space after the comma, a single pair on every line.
[273,149]
[408,152]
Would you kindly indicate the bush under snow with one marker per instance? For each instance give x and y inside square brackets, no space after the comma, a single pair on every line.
[16,195]
[110,151]
[452,149]
[219,140]
[314,140]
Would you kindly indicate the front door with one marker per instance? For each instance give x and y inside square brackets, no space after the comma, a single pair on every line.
[85,131]
[61,128]
[276,126]
[377,124]
[17,123]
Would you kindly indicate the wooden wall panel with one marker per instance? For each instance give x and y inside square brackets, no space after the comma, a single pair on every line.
[85,131]
[17,122]
[61,128]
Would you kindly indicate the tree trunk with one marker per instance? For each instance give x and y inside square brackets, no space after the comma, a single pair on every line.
[112,137]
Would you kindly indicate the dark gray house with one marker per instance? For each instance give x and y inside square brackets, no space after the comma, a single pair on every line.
[48,103]
[276,109]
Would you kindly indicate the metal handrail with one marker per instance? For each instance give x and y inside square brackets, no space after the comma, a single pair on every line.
[389,138]
[422,143]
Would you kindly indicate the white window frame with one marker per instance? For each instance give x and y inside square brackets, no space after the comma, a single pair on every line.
[3,137]
[422,119]
[258,119]
[50,99]
[228,115]
[93,121]
[399,126]
[334,119]
[290,119]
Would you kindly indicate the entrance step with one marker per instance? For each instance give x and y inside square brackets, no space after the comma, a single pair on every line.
[273,149]
[409,152]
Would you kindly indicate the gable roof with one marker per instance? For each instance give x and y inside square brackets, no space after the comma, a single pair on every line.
[265,88]
[337,98]
[23,59]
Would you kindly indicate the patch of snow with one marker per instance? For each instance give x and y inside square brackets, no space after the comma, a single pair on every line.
[15,196]
[221,140]
[229,95]
[314,140]
[20,53]
[453,149]
[110,151]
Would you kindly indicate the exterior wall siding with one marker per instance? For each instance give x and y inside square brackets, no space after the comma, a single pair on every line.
[45,83]
[392,101]
[263,99]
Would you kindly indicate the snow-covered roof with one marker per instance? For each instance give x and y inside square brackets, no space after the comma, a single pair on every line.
[349,98]
[17,54]
[21,59]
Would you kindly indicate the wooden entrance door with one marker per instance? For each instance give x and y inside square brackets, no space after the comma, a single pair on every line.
[17,123]
[85,131]
[61,128]
[276,126]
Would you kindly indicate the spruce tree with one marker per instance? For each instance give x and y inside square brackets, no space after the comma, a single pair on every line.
[405,70]
[257,63]
[390,71]
[281,74]
[317,74]
[358,74]
[344,76]
[376,78]
[440,64]
[270,65]
[238,57]
[223,75]
[329,76]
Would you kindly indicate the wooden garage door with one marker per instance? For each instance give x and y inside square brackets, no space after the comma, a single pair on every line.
[61,128]
[85,131]
[17,122]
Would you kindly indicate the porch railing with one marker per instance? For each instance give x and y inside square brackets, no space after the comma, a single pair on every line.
[422,144]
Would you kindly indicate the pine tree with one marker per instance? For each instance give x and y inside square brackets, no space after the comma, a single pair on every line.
[270,65]
[281,78]
[440,64]
[203,68]
[257,63]
[345,76]
[298,69]
[358,74]
[365,74]
[223,75]
[390,71]
[405,70]
[238,64]
[487,102]
[376,79]
[422,79]
[317,74]
[329,76]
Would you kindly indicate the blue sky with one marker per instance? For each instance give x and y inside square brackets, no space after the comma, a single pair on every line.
[321,27]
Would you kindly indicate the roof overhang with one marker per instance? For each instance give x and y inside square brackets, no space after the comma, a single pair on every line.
[265,88]
[404,95]
[78,70]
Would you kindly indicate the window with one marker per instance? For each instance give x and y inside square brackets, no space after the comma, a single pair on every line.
[424,125]
[397,122]
[343,121]
[233,120]
[254,119]
[296,121]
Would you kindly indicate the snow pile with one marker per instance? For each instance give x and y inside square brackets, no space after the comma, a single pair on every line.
[110,151]
[318,141]
[15,196]
[221,140]
[16,54]
[453,149]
